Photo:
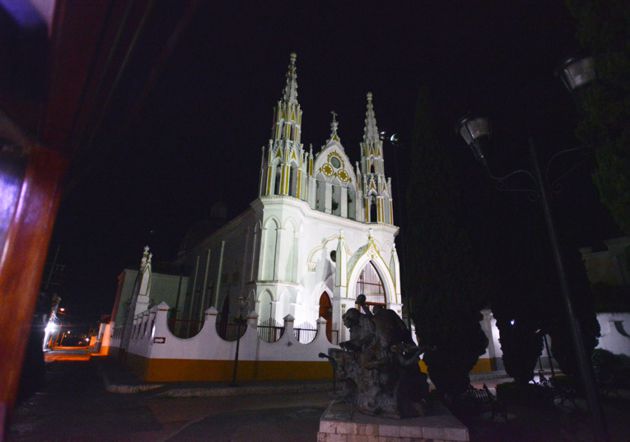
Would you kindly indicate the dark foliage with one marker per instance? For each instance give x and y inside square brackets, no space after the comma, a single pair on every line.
[557,324]
[604,31]
[520,306]
[610,298]
[441,269]
[521,343]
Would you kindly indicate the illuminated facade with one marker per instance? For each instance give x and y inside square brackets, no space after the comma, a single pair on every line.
[320,233]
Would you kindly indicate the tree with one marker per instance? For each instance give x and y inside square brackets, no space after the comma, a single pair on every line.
[603,27]
[443,278]
[556,321]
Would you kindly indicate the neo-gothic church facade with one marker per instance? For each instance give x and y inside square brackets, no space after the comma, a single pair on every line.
[320,233]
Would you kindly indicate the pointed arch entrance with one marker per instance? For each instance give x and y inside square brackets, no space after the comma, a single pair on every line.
[370,284]
[325,311]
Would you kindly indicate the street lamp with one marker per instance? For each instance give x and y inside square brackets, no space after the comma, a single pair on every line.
[474,130]
[240,320]
[576,72]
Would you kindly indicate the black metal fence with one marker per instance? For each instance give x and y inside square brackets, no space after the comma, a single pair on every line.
[268,331]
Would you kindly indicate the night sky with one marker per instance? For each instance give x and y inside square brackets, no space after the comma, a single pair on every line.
[196,140]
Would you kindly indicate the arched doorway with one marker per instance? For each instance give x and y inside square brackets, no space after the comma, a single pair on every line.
[325,311]
[371,285]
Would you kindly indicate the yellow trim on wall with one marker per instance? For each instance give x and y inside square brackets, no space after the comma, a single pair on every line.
[483,365]
[282,190]
[391,211]
[269,174]
[195,370]
[287,176]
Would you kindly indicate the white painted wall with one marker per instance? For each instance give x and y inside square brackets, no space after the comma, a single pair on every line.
[208,345]
[611,339]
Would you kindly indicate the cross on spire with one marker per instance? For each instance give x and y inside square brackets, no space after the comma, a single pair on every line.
[334,126]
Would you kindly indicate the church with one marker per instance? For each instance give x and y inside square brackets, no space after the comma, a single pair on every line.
[280,275]
[320,233]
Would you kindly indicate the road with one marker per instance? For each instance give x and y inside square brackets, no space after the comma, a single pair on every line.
[74,406]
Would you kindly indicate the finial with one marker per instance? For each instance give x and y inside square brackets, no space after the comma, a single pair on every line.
[334,125]
[145,257]
[369,97]
[340,234]
[370,233]
[289,95]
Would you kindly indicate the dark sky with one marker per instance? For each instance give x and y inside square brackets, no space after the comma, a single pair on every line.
[197,139]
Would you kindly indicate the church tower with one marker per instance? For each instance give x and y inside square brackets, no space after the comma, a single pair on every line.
[377,190]
[284,164]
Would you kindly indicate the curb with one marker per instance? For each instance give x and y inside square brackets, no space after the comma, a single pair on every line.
[244,390]
[215,391]
[123,388]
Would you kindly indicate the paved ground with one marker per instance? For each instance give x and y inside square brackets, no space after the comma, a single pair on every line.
[75,406]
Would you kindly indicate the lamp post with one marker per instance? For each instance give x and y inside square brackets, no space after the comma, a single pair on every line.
[240,319]
[575,73]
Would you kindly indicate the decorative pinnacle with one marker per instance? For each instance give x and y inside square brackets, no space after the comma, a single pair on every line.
[334,126]
[289,94]
[370,131]
[145,257]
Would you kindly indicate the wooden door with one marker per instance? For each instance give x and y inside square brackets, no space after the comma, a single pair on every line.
[325,311]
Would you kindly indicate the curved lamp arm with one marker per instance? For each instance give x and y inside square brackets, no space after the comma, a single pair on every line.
[555,184]
[502,181]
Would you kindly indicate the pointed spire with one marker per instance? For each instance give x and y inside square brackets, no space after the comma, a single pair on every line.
[334,126]
[289,94]
[370,131]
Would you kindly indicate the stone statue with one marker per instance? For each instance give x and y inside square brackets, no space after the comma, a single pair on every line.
[378,366]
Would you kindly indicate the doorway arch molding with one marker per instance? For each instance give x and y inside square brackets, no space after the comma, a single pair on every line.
[370,253]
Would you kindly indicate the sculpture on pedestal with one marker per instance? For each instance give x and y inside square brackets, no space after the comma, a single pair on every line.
[378,366]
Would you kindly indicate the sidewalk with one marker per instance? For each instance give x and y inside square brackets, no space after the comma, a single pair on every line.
[118,379]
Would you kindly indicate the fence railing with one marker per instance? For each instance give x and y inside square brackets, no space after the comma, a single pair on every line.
[185,328]
[272,333]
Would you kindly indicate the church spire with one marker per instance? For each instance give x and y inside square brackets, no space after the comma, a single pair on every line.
[370,131]
[284,168]
[376,188]
[289,94]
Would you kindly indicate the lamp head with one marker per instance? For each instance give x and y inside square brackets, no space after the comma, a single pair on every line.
[577,72]
[474,130]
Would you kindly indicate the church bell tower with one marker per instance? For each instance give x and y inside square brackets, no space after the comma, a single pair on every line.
[284,162]
[377,189]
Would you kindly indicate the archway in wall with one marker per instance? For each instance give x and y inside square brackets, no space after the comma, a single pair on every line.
[371,285]
[325,311]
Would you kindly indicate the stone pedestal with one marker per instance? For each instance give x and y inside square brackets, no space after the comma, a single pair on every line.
[340,423]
